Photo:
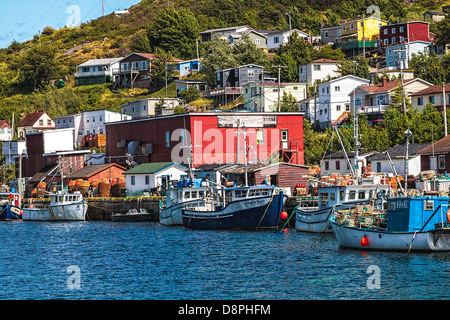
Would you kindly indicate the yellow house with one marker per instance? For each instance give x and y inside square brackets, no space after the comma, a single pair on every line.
[356,30]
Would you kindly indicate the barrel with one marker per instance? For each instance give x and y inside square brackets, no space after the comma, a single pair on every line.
[104,188]
[84,187]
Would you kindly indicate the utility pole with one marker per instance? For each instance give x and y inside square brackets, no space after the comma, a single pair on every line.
[445,108]
[401,78]
[103,7]
[364,39]
[279,86]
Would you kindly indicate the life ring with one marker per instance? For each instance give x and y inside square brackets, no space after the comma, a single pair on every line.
[350,182]
[380,194]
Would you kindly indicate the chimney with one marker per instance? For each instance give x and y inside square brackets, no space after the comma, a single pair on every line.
[384,81]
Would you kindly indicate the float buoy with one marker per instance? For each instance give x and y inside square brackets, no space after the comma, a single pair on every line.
[283,215]
[364,241]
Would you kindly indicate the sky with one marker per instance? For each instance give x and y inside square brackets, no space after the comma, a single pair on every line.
[21,20]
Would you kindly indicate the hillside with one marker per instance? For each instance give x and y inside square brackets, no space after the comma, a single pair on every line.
[113,36]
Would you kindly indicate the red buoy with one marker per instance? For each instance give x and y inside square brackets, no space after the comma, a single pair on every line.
[364,241]
[283,215]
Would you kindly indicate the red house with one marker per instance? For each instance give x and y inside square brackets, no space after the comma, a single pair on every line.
[405,31]
[214,137]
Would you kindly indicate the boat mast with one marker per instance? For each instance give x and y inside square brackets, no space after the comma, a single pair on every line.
[357,143]
[61,173]
[245,156]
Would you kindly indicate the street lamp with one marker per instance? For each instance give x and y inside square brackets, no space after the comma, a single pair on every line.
[289,14]
[408,134]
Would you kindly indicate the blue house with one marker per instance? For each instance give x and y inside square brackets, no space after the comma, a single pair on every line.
[186,68]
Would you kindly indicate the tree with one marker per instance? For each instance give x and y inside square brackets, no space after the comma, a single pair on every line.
[429,67]
[161,70]
[37,67]
[246,52]
[190,94]
[140,43]
[175,31]
[359,67]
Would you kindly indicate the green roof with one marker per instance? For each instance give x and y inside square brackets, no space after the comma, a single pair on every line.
[151,167]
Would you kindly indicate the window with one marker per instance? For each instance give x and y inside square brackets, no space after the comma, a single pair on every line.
[428,205]
[327,165]
[441,161]
[343,27]
[93,119]
[284,135]
[125,66]
[361,195]
[251,72]
[362,24]
[259,136]
[338,108]
[393,40]
[167,139]
[420,101]
[385,31]
[276,40]
[393,30]
[325,34]
[135,65]
[133,180]
[358,102]
[431,99]
[378,166]
[351,26]
[49,122]
[400,29]
[41,122]
[352,195]
[337,88]
[386,41]
[324,198]
[143,65]
[338,165]
[257,41]
[147,180]
[316,67]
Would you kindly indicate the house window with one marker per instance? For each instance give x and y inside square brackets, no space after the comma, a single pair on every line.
[343,27]
[327,165]
[386,41]
[431,99]
[358,102]
[385,31]
[378,166]
[400,29]
[41,122]
[393,30]
[167,139]
[251,72]
[284,135]
[276,40]
[49,123]
[351,26]
[325,34]
[441,161]
[316,67]
[143,65]
[338,165]
[338,108]
[420,101]
[337,88]
[147,180]
[135,65]
[361,195]
[125,66]
[393,40]
[257,41]
[133,180]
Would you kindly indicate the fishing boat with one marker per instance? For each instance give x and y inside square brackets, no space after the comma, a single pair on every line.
[182,195]
[335,194]
[249,207]
[63,207]
[10,204]
[133,215]
[406,224]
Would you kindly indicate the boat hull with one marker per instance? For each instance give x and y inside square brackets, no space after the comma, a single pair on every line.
[171,216]
[427,241]
[64,212]
[313,221]
[256,213]
[9,212]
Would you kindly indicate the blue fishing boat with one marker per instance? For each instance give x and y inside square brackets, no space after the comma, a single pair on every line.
[10,203]
[251,207]
[406,224]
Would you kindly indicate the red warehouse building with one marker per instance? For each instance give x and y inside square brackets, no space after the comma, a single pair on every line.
[213,137]
[405,31]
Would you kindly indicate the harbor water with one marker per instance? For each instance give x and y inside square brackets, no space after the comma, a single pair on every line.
[148,261]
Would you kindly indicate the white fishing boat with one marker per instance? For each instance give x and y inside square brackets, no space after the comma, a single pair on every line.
[63,207]
[346,192]
[177,198]
[407,224]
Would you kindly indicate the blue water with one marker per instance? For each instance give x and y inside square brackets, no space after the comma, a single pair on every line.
[137,261]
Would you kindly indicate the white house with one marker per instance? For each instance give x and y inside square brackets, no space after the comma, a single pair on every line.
[381,164]
[318,70]
[274,39]
[334,100]
[151,175]
[336,163]
[5,131]
[146,107]
[374,99]
[97,71]
[264,97]
[309,107]
[89,122]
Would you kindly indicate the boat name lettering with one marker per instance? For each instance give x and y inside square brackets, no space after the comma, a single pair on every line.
[398,204]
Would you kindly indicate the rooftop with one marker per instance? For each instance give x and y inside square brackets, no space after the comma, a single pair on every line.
[151,167]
